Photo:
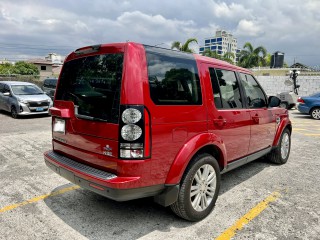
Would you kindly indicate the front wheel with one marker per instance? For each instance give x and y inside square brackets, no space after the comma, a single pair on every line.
[199,189]
[14,112]
[284,105]
[281,153]
[315,113]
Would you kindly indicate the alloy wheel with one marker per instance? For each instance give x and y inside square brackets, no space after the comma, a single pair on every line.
[203,187]
[316,113]
[285,145]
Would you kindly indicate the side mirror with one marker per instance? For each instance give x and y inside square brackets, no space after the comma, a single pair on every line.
[274,101]
[7,94]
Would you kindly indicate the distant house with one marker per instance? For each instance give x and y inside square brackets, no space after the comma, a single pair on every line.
[301,67]
[56,69]
[44,66]
[55,58]
[49,66]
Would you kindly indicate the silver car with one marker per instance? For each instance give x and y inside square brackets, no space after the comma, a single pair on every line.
[23,98]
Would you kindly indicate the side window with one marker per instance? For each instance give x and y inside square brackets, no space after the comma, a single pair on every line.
[6,89]
[225,88]
[173,78]
[1,88]
[255,96]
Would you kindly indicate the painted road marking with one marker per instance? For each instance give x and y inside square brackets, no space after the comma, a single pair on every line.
[36,199]
[248,217]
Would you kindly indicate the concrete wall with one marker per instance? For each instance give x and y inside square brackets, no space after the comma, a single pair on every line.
[275,84]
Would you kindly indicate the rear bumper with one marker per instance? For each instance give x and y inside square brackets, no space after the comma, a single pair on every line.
[101,182]
[303,108]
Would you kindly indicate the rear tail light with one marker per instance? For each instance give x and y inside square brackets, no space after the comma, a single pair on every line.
[300,100]
[134,134]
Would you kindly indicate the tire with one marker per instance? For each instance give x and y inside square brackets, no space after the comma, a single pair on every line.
[284,105]
[14,113]
[281,153]
[200,182]
[315,113]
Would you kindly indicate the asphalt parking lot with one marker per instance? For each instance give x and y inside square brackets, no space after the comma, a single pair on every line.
[257,201]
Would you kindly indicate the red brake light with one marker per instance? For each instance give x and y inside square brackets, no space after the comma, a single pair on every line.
[300,100]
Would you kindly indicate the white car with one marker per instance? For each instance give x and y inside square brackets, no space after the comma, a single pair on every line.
[23,98]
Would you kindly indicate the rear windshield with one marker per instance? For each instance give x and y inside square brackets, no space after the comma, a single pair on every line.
[93,84]
[50,83]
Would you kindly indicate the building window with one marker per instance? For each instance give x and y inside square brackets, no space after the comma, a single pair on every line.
[43,68]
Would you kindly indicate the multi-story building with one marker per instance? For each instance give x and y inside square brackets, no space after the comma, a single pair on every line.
[222,43]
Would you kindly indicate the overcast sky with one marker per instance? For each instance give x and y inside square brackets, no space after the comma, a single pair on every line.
[37,27]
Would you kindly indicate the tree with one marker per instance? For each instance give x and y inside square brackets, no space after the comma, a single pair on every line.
[21,68]
[25,68]
[250,57]
[212,54]
[184,47]
[268,60]
[6,69]
[228,56]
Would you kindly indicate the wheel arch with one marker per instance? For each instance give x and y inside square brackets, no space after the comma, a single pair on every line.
[285,124]
[206,143]
[312,108]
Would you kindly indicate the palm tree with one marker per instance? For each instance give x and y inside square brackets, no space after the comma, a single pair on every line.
[228,56]
[250,57]
[212,54]
[184,47]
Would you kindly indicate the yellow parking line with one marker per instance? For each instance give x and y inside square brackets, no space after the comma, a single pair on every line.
[299,129]
[36,199]
[245,219]
[312,134]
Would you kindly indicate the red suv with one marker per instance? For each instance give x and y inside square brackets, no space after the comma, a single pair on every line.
[132,121]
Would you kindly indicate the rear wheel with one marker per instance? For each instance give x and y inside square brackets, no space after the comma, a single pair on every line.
[14,112]
[315,113]
[199,189]
[281,153]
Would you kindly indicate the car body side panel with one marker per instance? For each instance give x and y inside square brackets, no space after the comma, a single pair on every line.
[188,150]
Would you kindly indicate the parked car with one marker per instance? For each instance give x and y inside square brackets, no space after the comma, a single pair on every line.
[23,98]
[310,105]
[132,121]
[49,86]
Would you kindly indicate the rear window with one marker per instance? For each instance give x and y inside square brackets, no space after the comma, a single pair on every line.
[173,77]
[51,83]
[93,84]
